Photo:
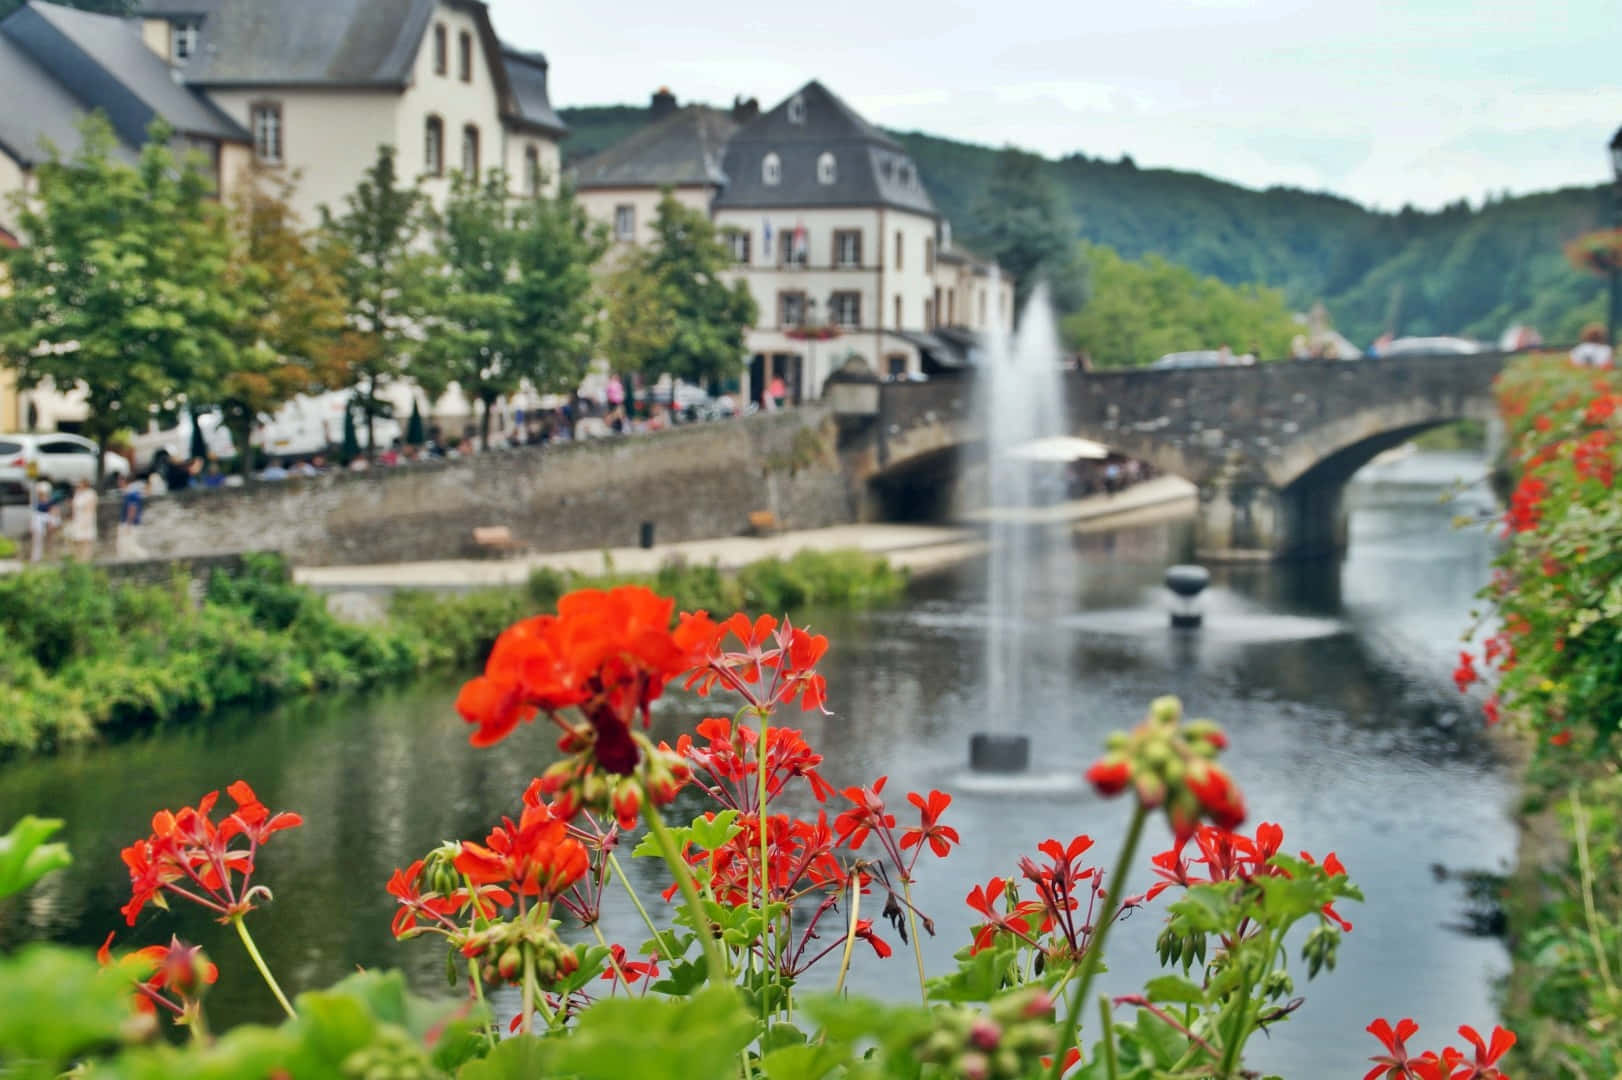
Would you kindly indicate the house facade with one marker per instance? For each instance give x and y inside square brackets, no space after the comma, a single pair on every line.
[321,84]
[831,227]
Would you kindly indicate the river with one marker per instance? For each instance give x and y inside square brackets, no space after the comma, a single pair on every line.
[1331,679]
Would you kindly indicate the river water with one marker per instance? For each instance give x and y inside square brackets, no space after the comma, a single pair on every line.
[1331,679]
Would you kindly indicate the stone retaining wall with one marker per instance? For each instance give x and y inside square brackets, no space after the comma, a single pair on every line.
[691,483]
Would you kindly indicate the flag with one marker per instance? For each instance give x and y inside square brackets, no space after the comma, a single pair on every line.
[799,242]
[766,228]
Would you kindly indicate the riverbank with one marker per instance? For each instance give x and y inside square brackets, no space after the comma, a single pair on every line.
[917,549]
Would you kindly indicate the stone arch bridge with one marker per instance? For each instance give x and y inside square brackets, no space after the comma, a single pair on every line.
[1270,446]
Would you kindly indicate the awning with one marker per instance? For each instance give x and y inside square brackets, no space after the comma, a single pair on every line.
[1059,448]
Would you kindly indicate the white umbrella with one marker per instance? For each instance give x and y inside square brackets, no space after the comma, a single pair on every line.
[1060,448]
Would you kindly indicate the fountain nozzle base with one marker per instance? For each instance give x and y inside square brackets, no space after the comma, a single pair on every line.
[999,753]
[1187,620]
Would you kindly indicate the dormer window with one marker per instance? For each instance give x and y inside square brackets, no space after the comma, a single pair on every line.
[827,169]
[182,39]
[771,170]
[796,110]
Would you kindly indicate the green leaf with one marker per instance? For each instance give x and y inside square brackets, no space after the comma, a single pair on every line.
[712,833]
[25,857]
[802,1062]
[1173,988]
[1165,1043]
[658,1039]
[517,1057]
[56,1003]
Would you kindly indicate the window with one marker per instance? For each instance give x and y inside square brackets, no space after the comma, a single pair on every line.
[791,309]
[771,170]
[470,152]
[625,223]
[265,120]
[929,314]
[433,147]
[951,307]
[929,254]
[898,311]
[827,168]
[793,248]
[532,170]
[898,249]
[182,39]
[738,244]
[441,50]
[845,309]
[464,56]
[847,247]
[896,363]
[981,320]
[796,110]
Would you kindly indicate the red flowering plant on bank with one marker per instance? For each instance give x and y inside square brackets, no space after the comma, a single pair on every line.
[1550,648]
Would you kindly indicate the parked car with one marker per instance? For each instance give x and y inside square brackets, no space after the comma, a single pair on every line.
[167,439]
[1432,346]
[15,508]
[59,456]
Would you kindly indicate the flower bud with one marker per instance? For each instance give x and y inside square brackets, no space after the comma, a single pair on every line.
[1110,775]
[984,1033]
[1151,790]
[1166,711]
[510,963]
[974,1066]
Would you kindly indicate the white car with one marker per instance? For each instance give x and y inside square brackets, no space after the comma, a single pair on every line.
[60,457]
[1432,346]
[158,447]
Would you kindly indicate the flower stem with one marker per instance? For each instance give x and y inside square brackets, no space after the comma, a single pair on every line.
[1095,947]
[264,971]
[529,989]
[850,934]
[765,871]
[917,944]
[1112,1067]
[636,901]
[1590,916]
[714,961]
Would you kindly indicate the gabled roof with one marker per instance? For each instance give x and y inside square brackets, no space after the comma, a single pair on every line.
[531,107]
[291,42]
[871,168]
[52,115]
[682,150]
[96,62]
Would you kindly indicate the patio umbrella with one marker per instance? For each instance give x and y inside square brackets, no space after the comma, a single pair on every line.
[1059,448]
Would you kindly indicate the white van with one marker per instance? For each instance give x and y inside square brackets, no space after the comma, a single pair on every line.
[167,439]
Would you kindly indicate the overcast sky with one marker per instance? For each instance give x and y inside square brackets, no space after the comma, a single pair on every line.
[1386,101]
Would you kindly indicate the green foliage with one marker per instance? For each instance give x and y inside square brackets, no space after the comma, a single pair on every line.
[1021,221]
[55,1005]
[25,857]
[386,276]
[515,302]
[8,548]
[1139,311]
[121,282]
[670,310]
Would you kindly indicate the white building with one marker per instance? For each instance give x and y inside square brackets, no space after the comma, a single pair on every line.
[831,227]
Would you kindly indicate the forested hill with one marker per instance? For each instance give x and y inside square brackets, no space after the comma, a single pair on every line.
[1456,270]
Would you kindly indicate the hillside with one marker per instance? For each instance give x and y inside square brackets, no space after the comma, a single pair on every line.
[1456,270]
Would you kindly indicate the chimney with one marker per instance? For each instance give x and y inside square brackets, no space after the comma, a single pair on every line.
[663,103]
[744,109]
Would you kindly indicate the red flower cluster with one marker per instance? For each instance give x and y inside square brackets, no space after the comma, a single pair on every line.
[1525,509]
[1025,919]
[1593,457]
[1397,1063]
[1232,856]
[168,976]
[536,857]
[774,665]
[190,856]
[725,765]
[1465,674]
[607,653]
[1171,764]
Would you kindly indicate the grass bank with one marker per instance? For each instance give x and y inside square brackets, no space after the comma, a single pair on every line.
[81,655]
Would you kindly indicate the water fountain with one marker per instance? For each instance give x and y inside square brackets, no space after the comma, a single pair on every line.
[1020,398]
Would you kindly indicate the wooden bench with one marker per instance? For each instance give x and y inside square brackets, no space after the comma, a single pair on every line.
[762,522]
[496,540]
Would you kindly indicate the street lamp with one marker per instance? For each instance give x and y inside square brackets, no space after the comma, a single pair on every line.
[1614,312]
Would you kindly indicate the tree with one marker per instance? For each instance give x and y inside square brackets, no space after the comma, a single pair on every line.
[291,340]
[1139,311]
[385,278]
[515,302]
[670,311]
[117,283]
[1023,224]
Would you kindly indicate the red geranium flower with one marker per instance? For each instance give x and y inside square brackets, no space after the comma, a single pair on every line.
[1393,1064]
[1485,1065]
[864,930]
[536,857]
[940,837]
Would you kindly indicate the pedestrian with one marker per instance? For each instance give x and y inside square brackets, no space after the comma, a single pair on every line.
[778,392]
[82,525]
[1112,478]
[276,470]
[131,504]
[213,478]
[1592,350]
[42,520]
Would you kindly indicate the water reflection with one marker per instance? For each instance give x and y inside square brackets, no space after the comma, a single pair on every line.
[1350,735]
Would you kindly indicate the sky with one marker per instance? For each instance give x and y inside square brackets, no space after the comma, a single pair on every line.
[1385,101]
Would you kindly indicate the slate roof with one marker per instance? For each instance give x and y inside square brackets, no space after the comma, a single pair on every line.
[684,149]
[288,42]
[526,74]
[871,168]
[63,62]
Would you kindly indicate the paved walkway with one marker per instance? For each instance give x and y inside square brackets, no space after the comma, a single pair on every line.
[919,548]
